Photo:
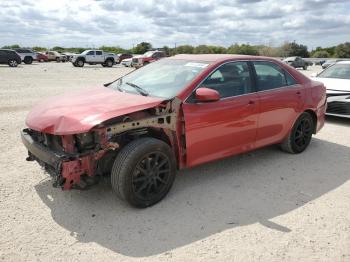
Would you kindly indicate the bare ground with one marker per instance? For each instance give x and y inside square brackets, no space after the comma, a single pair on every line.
[261,206]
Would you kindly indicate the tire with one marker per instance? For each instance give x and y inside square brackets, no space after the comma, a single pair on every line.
[28,60]
[145,63]
[58,59]
[109,63]
[300,136]
[143,172]
[12,63]
[104,65]
[80,63]
[305,67]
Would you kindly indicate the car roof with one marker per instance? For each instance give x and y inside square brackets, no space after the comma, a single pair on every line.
[7,50]
[217,57]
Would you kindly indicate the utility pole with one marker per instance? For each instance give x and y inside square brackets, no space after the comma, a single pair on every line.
[175,49]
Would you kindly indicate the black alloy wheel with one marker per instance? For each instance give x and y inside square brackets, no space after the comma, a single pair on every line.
[151,175]
[300,136]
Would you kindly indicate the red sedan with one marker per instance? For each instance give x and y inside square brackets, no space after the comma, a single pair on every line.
[176,113]
[41,57]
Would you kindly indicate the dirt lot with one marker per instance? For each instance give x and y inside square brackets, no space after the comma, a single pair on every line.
[261,206]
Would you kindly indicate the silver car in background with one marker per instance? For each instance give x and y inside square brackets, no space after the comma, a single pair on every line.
[336,78]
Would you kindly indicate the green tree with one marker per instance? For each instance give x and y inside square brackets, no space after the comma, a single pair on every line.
[202,49]
[217,49]
[142,48]
[10,46]
[342,50]
[320,54]
[294,49]
[244,49]
[39,48]
[184,49]
[58,49]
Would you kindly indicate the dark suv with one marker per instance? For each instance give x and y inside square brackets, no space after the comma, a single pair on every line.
[296,61]
[9,57]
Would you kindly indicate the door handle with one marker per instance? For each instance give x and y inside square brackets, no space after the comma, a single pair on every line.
[298,93]
[251,102]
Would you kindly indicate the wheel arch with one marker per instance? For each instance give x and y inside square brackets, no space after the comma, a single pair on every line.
[314,118]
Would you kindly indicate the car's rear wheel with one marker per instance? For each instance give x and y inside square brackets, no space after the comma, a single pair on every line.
[143,172]
[28,60]
[300,136]
[305,67]
[58,59]
[12,63]
[109,63]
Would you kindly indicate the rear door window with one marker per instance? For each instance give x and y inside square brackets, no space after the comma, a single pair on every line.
[269,75]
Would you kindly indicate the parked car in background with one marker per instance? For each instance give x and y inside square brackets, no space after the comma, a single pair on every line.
[121,57]
[69,55]
[93,57]
[127,62]
[41,57]
[146,58]
[27,55]
[336,78]
[329,63]
[297,62]
[9,57]
[56,56]
[175,113]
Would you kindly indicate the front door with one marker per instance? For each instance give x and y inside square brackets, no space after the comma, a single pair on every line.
[222,128]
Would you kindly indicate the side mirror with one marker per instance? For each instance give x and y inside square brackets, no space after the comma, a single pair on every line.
[204,94]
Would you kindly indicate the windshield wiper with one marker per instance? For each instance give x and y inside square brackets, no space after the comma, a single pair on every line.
[138,89]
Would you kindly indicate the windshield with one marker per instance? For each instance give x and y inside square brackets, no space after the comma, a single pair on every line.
[148,54]
[164,78]
[341,71]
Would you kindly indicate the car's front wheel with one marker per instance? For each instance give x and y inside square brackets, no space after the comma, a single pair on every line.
[143,172]
[80,63]
[300,136]
[12,63]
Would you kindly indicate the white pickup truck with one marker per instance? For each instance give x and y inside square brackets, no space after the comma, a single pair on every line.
[94,57]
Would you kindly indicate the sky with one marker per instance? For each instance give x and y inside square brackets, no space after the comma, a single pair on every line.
[92,23]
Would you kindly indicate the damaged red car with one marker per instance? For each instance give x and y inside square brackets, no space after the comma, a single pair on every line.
[176,113]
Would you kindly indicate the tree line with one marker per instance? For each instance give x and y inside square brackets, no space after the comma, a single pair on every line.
[285,50]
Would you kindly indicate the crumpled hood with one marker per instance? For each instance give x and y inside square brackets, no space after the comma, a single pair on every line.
[77,112]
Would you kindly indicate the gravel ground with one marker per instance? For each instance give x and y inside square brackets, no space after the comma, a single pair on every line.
[262,206]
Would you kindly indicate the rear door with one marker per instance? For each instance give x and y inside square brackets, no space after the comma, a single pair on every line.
[99,57]
[281,101]
[225,127]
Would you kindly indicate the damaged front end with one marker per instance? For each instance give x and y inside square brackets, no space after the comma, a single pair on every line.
[78,160]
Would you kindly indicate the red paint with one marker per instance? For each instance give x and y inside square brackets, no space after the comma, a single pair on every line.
[42,57]
[78,112]
[207,95]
